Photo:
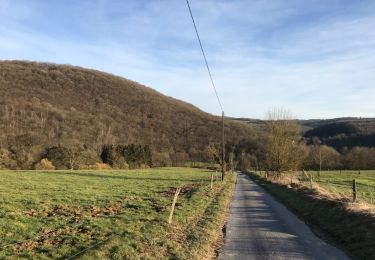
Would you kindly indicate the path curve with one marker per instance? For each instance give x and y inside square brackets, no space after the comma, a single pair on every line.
[259,227]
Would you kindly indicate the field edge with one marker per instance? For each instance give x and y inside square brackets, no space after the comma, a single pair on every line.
[208,235]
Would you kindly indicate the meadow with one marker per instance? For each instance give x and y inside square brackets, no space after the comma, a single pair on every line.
[110,214]
[340,183]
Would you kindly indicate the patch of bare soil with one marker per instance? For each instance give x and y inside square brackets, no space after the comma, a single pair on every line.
[188,189]
[76,214]
[53,237]
[61,210]
[108,210]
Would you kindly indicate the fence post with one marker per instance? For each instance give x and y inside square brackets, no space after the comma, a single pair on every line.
[173,204]
[311,181]
[212,179]
[354,191]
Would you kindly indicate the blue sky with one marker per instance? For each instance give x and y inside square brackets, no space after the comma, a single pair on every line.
[315,58]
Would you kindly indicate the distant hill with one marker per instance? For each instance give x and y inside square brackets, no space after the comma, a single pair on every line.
[342,132]
[44,105]
[338,132]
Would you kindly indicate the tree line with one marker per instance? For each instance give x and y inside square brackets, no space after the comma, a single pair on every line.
[60,157]
[283,148]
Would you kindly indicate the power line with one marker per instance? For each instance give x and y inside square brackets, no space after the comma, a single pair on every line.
[223,166]
[204,55]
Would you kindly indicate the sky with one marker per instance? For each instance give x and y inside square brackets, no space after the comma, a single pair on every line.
[314,58]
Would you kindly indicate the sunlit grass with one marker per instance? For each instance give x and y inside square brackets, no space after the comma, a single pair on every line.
[341,183]
[59,213]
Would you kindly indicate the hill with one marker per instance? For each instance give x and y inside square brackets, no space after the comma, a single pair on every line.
[47,105]
[337,132]
[342,132]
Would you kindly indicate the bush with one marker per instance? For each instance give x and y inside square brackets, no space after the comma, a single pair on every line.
[59,156]
[126,156]
[102,166]
[6,160]
[44,164]
[120,163]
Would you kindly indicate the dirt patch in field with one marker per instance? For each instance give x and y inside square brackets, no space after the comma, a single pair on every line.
[31,213]
[61,210]
[27,245]
[76,214]
[108,210]
[188,189]
[159,208]
[53,237]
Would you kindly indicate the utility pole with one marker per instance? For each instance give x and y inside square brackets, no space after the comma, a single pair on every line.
[223,170]
[320,160]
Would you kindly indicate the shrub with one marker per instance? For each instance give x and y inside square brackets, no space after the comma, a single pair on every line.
[44,164]
[6,160]
[120,163]
[126,156]
[102,166]
[59,156]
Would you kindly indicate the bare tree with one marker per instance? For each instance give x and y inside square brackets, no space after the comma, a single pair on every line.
[322,157]
[283,142]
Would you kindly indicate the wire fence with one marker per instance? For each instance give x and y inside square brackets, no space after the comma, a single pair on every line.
[346,185]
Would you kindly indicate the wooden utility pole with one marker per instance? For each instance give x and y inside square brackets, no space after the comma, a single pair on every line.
[320,160]
[223,170]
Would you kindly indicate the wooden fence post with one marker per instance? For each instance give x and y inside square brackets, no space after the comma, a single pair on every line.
[212,179]
[173,204]
[354,191]
[311,181]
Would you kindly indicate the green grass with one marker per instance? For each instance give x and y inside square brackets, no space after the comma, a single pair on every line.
[352,231]
[341,183]
[121,214]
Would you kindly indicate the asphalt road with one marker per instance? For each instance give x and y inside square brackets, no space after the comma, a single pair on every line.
[259,227]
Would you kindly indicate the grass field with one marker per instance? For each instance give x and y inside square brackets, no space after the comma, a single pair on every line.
[120,214]
[341,183]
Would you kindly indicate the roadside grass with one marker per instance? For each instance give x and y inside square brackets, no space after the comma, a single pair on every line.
[341,184]
[337,184]
[116,214]
[354,231]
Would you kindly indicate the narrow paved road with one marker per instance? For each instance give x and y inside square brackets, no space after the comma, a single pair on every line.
[261,228]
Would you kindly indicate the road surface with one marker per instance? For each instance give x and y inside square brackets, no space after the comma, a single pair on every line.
[259,227]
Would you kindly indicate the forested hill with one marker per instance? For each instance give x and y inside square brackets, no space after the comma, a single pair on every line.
[337,132]
[48,105]
[342,132]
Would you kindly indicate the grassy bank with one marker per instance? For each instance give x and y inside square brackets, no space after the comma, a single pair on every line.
[353,231]
[110,214]
[340,182]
